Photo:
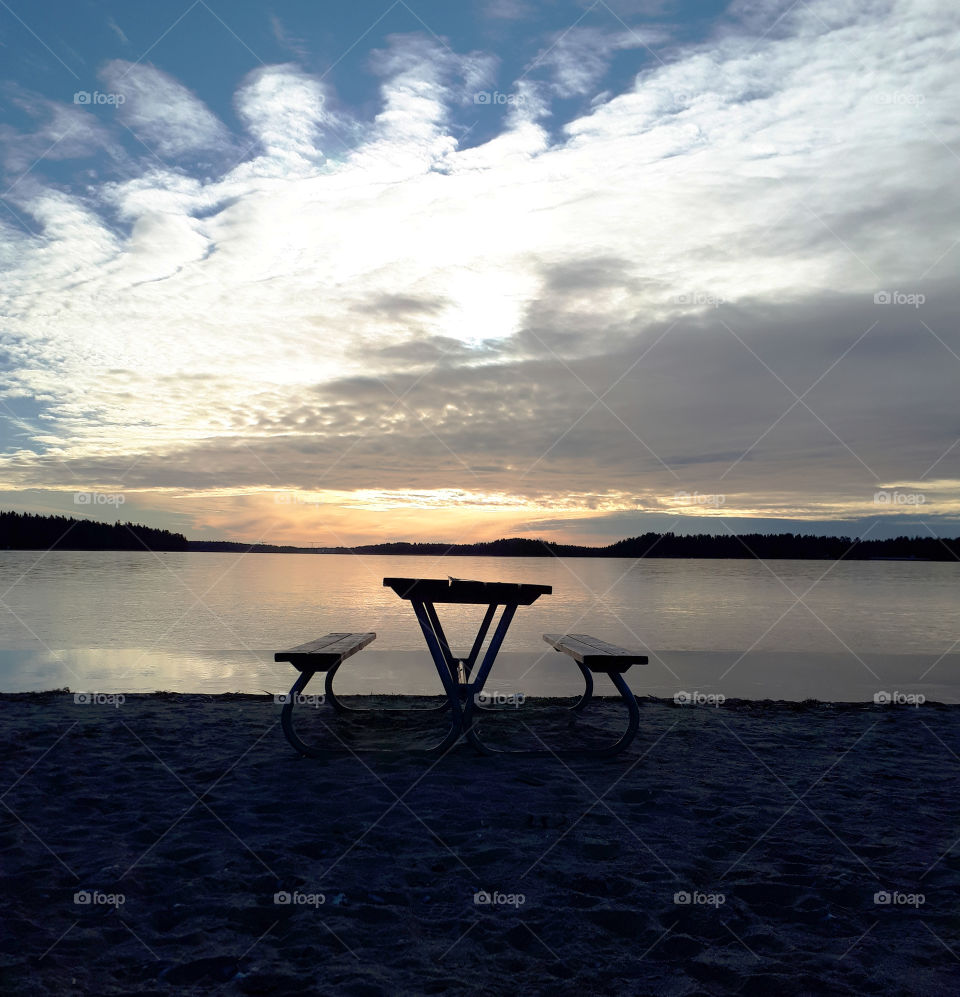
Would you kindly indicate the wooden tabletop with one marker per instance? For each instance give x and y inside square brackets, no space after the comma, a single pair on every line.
[467,591]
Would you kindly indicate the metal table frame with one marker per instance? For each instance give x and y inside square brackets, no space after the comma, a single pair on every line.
[463,687]
[459,682]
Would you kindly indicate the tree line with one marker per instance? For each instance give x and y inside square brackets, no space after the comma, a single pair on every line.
[794,546]
[24,531]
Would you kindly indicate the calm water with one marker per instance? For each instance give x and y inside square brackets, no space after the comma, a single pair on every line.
[208,622]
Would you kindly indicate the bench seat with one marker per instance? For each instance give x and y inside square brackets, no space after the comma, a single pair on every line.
[326,652]
[591,655]
[595,654]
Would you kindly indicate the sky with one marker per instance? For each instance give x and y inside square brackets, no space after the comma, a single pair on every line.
[325,273]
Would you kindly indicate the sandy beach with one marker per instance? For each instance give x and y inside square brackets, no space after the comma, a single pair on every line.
[175,843]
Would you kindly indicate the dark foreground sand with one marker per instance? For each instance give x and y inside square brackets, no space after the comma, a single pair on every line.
[780,823]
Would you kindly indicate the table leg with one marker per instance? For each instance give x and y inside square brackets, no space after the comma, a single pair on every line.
[440,660]
[481,636]
[449,660]
[460,668]
[476,687]
[494,649]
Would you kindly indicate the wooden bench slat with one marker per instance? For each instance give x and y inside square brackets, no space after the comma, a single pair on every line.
[595,654]
[325,652]
[330,643]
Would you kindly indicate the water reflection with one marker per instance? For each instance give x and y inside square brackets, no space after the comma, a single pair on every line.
[210,622]
[757,675]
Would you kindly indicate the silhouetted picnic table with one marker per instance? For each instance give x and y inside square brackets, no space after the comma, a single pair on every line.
[463,686]
[455,673]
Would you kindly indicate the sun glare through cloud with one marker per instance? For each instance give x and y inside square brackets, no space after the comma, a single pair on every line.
[608,259]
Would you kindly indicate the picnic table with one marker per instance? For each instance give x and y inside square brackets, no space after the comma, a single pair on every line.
[456,673]
[462,679]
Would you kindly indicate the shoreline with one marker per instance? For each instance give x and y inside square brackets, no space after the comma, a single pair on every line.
[732,703]
[726,676]
[32,532]
[239,548]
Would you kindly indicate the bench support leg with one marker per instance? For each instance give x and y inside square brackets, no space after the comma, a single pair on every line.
[633,716]
[286,719]
[608,751]
[312,751]
[588,689]
[328,692]
[341,708]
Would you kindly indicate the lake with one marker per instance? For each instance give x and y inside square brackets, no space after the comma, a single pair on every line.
[197,622]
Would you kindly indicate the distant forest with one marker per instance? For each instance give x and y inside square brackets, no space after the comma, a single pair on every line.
[745,545]
[23,531]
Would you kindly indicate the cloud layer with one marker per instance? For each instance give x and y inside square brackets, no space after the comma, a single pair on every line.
[671,291]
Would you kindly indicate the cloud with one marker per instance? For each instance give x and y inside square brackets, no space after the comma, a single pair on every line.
[579,57]
[506,10]
[167,118]
[297,46]
[401,306]
[62,131]
[695,407]
[118,31]
[424,80]
[284,109]
[598,317]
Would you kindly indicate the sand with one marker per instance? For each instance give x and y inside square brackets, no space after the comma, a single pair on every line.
[733,849]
